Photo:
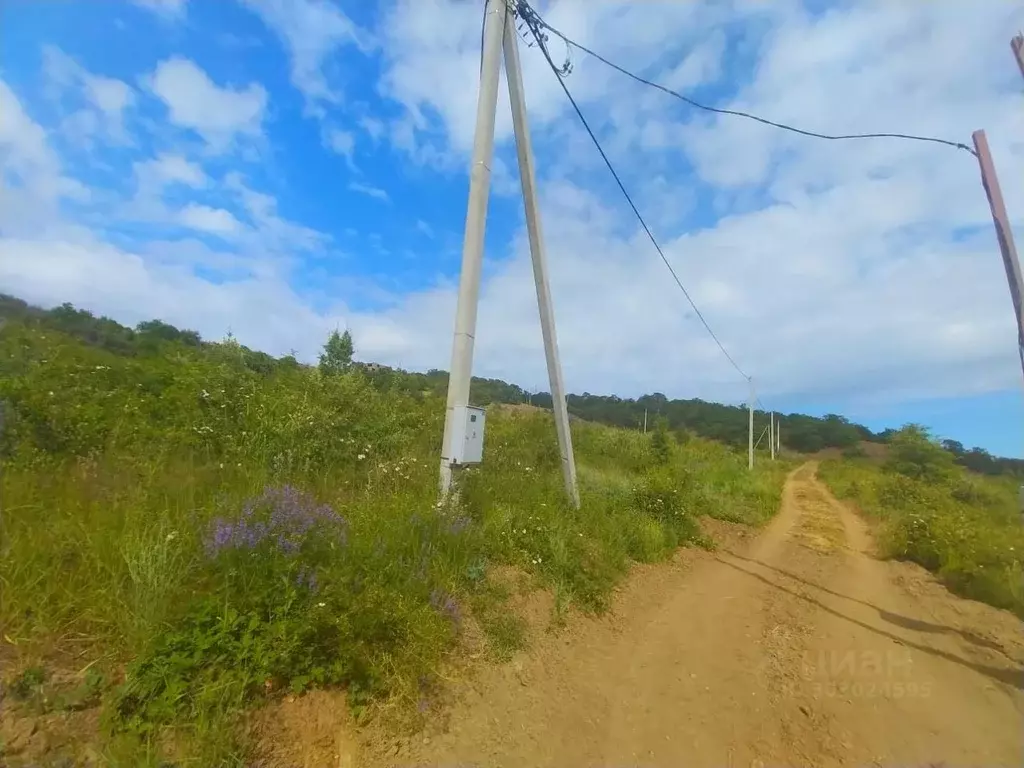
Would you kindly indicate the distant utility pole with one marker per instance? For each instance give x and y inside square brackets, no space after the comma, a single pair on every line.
[1017,45]
[1003,233]
[500,35]
[645,421]
[750,430]
[771,434]
[778,438]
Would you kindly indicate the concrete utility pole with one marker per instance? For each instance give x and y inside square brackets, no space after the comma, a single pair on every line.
[473,241]
[1003,233]
[1017,45]
[500,34]
[778,438]
[771,434]
[645,421]
[524,149]
[750,430]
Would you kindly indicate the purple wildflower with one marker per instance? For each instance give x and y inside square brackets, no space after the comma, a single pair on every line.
[445,604]
[458,524]
[283,515]
[306,578]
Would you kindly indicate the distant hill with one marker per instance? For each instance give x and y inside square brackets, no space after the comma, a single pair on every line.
[725,423]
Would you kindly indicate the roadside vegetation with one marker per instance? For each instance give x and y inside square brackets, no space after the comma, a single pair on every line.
[965,527]
[190,529]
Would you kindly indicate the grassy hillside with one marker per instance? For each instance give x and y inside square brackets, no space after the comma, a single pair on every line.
[724,423]
[190,529]
[964,527]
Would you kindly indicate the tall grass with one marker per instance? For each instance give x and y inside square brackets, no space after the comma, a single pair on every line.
[164,520]
[964,527]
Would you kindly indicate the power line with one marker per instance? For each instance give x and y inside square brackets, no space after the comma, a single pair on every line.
[533,19]
[532,22]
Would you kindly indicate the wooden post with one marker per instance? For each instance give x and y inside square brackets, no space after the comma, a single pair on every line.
[1003,233]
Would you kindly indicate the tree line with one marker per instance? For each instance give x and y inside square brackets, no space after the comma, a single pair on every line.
[725,423]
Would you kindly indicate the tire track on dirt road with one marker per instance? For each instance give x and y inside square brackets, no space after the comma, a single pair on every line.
[797,649]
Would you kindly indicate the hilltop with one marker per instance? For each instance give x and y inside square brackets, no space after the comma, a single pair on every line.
[724,423]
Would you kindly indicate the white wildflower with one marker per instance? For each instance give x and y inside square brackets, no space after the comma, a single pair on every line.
[171,537]
[361,456]
[320,605]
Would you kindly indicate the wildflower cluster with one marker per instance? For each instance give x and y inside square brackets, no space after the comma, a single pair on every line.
[445,604]
[281,516]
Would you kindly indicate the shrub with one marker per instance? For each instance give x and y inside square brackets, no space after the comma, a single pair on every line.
[962,527]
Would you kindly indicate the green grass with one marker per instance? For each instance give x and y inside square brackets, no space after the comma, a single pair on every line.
[964,527]
[118,469]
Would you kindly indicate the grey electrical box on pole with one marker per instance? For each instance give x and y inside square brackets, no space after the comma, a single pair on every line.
[468,436]
[459,446]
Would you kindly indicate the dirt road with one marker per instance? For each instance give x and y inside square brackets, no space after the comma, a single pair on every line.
[796,648]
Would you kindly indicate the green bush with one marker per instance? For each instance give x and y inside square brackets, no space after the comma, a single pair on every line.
[963,527]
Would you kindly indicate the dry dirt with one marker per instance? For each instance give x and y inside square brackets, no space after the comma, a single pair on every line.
[794,648]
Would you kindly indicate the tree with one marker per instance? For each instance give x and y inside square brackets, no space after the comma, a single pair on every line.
[913,453]
[337,355]
[659,441]
[954,446]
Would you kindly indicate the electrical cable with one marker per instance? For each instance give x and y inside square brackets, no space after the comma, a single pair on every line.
[533,18]
[540,38]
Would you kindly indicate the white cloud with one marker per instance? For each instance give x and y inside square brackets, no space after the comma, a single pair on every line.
[152,178]
[312,31]
[108,95]
[369,190]
[272,232]
[168,9]
[106,99]
[427,42]
[32,183]
[342,143]
[215,221]
[216,113]
[374,128]
[168,168]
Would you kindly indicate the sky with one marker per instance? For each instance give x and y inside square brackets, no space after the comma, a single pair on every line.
[277,169]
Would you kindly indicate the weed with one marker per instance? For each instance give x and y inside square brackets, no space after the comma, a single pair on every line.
[961,526]
[28,683]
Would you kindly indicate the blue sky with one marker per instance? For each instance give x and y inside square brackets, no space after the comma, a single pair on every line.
[278,168]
